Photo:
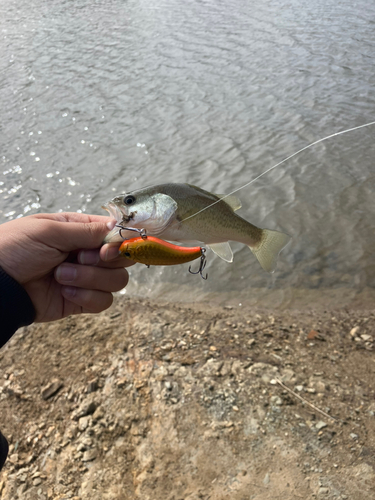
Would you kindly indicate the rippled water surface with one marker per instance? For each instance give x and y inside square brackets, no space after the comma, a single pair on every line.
[102,97]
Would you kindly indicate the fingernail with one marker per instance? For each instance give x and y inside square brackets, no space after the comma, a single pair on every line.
[111,253]
[89,257]
[111,224]
[65,272]
[69,291]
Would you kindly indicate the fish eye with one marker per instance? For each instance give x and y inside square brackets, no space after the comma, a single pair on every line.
[129,199]
[127,254]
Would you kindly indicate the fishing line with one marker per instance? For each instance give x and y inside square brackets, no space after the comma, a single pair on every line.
[280,163]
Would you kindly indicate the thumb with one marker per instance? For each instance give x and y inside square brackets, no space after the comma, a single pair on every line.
[70,236]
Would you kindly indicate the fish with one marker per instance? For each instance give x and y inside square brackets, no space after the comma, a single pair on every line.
[185,213]
[156,252]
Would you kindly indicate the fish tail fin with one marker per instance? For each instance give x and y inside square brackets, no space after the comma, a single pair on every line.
[268,249]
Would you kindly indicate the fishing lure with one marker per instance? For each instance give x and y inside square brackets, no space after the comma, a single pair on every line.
[156,252]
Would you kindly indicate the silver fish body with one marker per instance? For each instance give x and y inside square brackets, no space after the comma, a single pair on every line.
[182,212]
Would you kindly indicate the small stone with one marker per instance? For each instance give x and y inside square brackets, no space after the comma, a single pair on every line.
[320,386]
[312,335]
[93,386]
[237,367]
[187,360]
[298,388]
[226,368]
[13,459]
[121,382]
[366,338]
[89,455]
[276,400]
[37,481]
[266,479]
[287,375]
[323,491]
[98,414]
[83,423]
[353,331]
[51,389]
[354,436]
[320,425]
[87,407]
[213,348]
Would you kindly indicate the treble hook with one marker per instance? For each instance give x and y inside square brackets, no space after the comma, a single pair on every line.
[141,232]
[202,265]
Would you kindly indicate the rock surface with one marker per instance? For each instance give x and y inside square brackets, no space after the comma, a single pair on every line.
[176,402]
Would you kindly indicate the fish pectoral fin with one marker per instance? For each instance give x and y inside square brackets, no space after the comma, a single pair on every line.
[231,200]
[223,250]
[269,248]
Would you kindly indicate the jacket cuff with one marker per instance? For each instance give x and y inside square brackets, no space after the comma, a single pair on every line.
[16,308]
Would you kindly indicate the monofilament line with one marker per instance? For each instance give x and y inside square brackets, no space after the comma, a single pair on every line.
[280,163]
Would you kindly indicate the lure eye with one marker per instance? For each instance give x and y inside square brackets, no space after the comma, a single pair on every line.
[129,199]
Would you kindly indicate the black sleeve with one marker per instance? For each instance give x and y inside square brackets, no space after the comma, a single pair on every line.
[3,450]
[16,308]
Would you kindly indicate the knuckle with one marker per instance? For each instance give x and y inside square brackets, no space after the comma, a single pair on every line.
[89,230]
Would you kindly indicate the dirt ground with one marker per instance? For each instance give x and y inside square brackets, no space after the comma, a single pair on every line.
[158,401]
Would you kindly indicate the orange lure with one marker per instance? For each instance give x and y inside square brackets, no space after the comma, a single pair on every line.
[156,252]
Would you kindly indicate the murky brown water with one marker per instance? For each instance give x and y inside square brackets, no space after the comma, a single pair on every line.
[102,97]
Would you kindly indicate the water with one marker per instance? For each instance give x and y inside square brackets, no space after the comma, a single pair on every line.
[102,97]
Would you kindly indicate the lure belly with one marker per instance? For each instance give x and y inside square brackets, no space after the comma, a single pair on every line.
[156,252]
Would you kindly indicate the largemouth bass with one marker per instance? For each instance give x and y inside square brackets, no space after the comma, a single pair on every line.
[168,211]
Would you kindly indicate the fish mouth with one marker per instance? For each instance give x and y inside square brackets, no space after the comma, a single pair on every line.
[115,211]
[121,217]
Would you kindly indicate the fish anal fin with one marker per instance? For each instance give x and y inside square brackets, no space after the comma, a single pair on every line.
[223,250]
[269,248]
[231,200]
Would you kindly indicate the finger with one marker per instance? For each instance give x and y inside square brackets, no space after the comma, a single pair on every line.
[118,262]
[109,251]
[92,258]
[90,277]
[74,217]
[74,235]
[92,301]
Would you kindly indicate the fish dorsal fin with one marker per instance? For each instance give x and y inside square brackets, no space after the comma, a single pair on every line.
[231,200]
[223,250]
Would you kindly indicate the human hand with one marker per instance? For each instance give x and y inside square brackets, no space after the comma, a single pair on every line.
[56,258]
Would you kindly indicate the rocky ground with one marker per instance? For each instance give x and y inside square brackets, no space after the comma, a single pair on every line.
[159,401]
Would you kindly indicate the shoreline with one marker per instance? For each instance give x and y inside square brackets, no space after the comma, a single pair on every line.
[154,400]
